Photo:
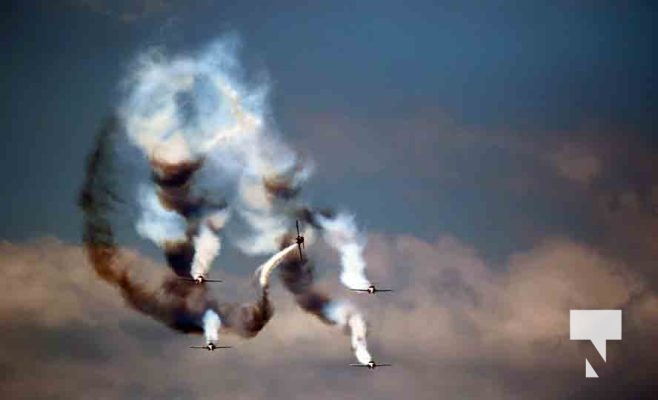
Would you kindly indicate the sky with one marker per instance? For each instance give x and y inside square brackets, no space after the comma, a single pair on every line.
[499,156]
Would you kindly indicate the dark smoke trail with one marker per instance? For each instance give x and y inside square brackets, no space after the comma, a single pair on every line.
[193,254]
[297,277]
[178,304]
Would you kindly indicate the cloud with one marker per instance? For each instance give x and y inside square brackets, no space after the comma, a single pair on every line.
[434,144]
[422,141]
[521,308]
[576,164]
[455,325]
[630,218]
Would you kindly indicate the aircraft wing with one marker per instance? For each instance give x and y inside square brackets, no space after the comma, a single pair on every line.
[360,290]
[194,280]
[384,290]
[358,365]
[384,365]
[198,347]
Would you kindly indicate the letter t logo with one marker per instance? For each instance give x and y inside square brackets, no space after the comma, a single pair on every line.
[597,326]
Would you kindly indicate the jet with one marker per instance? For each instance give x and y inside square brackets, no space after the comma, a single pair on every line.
[372,290]
[210,347]
[371,365]
[198,279]
[300,241]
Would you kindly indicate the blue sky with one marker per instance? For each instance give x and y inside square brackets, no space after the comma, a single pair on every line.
[533,69]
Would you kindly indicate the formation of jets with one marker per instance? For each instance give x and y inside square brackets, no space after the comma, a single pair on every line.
[372,289]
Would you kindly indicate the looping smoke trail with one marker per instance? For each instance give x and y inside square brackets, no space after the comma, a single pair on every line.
[190,113]
[182,306]
[207,142]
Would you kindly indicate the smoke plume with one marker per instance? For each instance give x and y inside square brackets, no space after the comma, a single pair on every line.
[206,248]
[181,305]
[211,326]
[212,156]
[342,234]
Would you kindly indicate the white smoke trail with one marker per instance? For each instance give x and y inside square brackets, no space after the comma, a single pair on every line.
[265,270]
[257,209]
[206,246]
[268,218]
[211,326]
[218,219]
[187,109]
[180,109]
[347,317]
[157,223]
[207,243]
[358,327]
[341,233]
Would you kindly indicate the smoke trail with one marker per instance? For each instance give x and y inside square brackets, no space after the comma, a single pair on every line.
[211,326]
[264,271]
[212,153]
[187,114]
[341,234]
[178,304]
[183,222]
[97,201]
[206,245]
[348,318]
[156,222]
[180,109]
[297,277]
